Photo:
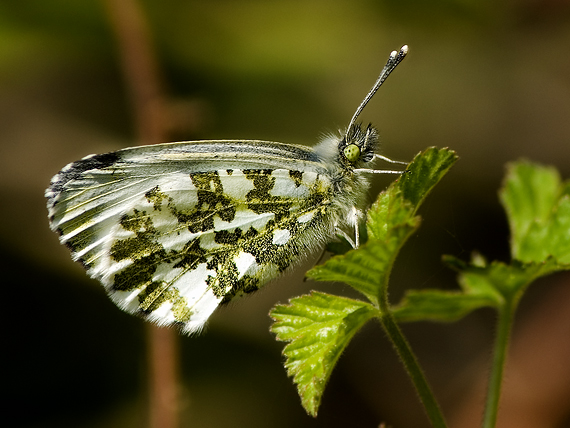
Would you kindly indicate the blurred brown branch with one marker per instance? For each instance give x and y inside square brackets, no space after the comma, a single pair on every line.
[142,78]
[140,69]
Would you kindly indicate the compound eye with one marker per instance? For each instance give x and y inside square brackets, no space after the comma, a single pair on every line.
[352,152]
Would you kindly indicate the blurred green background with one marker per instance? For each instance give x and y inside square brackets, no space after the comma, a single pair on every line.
[489,79]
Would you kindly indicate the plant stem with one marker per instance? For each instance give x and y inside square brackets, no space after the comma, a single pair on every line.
[413,368]
[504,323]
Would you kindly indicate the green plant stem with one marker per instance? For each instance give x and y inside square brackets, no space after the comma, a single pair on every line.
[413,368]
[504,323]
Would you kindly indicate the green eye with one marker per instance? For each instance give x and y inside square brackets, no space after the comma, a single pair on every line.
[352,152]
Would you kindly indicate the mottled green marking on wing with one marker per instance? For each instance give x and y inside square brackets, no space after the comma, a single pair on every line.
[155,196]
[297,177]
[157,293]
[146,254]
[192,255]
[146,251]
[260,201]
[151,222]
[211,201]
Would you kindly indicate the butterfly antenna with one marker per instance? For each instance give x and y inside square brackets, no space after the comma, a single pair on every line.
[393,60]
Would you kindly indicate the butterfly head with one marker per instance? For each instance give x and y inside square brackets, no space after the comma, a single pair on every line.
[358,145]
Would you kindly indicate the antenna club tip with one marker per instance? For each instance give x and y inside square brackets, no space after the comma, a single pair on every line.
[394,59]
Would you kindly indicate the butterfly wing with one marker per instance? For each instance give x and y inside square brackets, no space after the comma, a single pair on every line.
[173,230]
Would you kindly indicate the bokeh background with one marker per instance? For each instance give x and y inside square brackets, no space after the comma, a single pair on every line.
[489,79]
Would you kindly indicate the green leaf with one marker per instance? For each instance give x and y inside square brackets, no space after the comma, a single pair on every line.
[500,282]
[399,203]
[538,210]
[366,269]
[390,212]
[448,306]
[437,305]
[425,171]
[318,327]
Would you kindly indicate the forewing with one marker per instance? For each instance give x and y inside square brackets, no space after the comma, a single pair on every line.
[171,239]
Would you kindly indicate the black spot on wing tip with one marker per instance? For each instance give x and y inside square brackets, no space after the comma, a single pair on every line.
[96,162]
[74,170]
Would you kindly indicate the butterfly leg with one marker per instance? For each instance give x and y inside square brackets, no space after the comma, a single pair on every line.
[378,171]
[382,171]
[384,158]
[354,217]
[345,235]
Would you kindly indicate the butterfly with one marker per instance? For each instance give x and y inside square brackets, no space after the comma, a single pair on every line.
[174,230]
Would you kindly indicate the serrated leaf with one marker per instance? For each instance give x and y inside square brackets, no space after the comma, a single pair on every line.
[368,268]
[389,212]
[559,236]
[318,326]
[438,305]
[548,238]
[425,171]
[488,286]
[538,210]
[499,281]
[449,306]
[403,198]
